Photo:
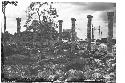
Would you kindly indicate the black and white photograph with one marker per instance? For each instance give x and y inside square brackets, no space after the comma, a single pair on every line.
[60,42]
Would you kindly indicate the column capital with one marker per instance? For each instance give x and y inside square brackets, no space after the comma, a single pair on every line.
[73,19]
[60,21]
[18,19]
[89,16]
[110,14]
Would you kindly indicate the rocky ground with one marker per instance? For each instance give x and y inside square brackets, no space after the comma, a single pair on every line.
[45,64]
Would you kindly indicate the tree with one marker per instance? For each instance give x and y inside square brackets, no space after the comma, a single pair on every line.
[41,11]
[40,19]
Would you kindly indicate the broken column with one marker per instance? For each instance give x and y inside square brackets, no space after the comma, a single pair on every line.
[18,24]
[60,30]
[99,32]
[89,32]
[110,31]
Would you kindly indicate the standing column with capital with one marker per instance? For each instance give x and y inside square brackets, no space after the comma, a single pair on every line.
[110,31]
[73,29]
[18,24]
[60,30]
[89,32]
[73,34]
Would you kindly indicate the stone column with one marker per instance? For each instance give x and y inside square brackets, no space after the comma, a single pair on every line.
[73,29]
[18,24]
[99,32]
[92,34]
[110,31]
[73,34]
[60,30]
[89,32]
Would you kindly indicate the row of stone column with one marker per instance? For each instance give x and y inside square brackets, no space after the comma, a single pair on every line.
[72,30]
[110,31]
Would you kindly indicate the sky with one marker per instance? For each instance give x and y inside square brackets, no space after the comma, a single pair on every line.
[66,11]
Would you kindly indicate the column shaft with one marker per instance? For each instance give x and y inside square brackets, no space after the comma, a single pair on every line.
[110,31]
[18,24]
[60,30]
[89,32]
[73,29]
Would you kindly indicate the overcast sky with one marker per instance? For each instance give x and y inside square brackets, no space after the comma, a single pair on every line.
[67,10]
